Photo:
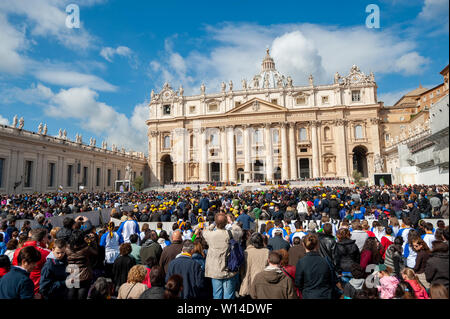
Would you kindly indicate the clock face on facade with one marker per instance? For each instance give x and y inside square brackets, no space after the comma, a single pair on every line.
[355,78]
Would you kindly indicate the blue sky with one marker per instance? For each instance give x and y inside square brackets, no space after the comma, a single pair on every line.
[96,80]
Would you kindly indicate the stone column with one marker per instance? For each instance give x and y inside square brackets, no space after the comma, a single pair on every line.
[341,149]
[179,147]
[224,150]
[375,145]
[292,151]
[155,176]
[203,173]
[231,154]
[315,149]
[284,153]
[269,151]
[247,149]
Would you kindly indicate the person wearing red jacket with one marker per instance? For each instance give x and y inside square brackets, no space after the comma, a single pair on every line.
[387,240]
[39,240]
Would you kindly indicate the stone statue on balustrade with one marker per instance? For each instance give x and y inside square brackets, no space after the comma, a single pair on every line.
[45,130]
[60,134]
[40,127]
[65,134]
[289,81]
[244,84]
[256,82]
[21,123]
[336,78]
[14,123]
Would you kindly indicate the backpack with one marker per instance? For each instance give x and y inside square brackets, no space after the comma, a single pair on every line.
[234,257]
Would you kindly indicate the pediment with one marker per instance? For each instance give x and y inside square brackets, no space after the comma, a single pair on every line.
[256,105]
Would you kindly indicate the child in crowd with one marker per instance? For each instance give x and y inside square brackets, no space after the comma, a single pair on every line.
[388,283]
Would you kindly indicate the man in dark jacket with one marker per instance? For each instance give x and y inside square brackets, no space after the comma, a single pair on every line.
[170,252]
[66,231]
[204,203]
[334,207]
[245,220]
[150,247]
[189,269]
[346,252]
[53,274]
[277,242]
[413,213]
[437,268]
[424,206]
[327,243]
[313,275]
[16,284]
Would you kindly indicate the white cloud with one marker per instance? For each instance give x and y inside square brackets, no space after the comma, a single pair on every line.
[3,121]
[434,9]
[12,42]
[411,63]
[72,78]
[108,53]
[433,18]
[36,94]
[298,50]
[81,104]
[101,119]
[48,18]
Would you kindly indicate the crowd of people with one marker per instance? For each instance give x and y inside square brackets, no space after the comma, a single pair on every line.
[287,243]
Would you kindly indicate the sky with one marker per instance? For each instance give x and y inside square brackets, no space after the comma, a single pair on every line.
[96,79]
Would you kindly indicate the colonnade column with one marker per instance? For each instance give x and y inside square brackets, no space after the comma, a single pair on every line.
[269,152]
[231,154]
[284,153]
[224,149]
[247,146]
[341,151]
[292,151]
[315,148]
[203,173]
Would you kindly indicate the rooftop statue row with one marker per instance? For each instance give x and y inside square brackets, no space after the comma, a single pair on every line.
[62,135]
[270,78]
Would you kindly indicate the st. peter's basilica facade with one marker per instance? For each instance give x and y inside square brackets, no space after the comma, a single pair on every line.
[266,130]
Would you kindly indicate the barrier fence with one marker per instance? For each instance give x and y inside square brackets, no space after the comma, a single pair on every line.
[103,216]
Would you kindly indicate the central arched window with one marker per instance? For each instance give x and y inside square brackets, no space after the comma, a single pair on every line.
[258,136]
[327,133]
[276,137]
[214,139]
[238,138]
[166,141]
[358,132]
[302,134]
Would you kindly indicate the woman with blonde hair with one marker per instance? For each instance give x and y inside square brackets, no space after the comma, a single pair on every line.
[134,287]
[410,277]
[111,240]
[53,237]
